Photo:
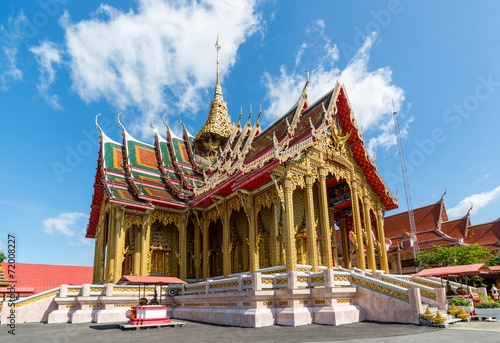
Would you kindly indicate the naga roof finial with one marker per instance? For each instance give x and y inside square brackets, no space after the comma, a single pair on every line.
[241,114]
[97,125]
[445,190]
[304,94]
[260,112]
[470,209]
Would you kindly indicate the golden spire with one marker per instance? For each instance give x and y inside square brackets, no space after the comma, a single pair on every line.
[218,126]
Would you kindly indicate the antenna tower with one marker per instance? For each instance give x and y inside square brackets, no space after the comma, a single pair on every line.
[413,228]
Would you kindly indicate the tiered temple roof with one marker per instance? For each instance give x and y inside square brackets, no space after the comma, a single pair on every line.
[175,172]
[435,229]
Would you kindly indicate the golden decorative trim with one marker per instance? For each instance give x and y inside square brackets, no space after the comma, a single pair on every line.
[247,282]
[283,303]
[267,281]
[267,303]
[381,289]
[246,303]
[225,284]
[318,279]
[30,301]
[194,304]
[70,306]
[341,278]
[319,301]
[222,304]
[344,301]
[303,302]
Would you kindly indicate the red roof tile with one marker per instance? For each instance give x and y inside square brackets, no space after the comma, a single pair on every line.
[484,233]
[426,218]
[46,276]
[455,228]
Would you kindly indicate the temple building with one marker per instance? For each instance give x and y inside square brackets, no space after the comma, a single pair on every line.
[238,198]
[434,229]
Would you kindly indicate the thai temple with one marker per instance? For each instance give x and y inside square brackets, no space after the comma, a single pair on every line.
[236,197]
[281,225]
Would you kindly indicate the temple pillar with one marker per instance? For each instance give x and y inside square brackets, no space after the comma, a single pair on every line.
[253,240]
[110,256]
[137,253]
[226,251]
[205,247]
[145,244]
[345,244]
[370,251]
[333,238]
[360,254]
[183,248]
[311,225]
[274,235]
[197,254]
[384,264]
[325,221]
[291,257]
[119,243]
[95,270]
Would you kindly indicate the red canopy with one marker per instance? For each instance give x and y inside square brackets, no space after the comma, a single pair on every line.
[469,269]
[148,280]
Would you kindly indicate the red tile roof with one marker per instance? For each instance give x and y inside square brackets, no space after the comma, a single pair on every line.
[468,269]
[426,218]
[46,276]
[488,233]
[455,228]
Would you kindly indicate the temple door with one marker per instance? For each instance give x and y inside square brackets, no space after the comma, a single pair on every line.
[158,262]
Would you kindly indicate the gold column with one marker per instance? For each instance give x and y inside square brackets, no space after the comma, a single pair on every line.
[325,221]
[226,253]
[274,235]
[197,258]
[384,264]
[137,254]
[311,225]
[370,251]
[253,240]
[291,257]
[100,254]
[119,243]
[205,247]
[183,247]
[110,256]
[145,244]
[333,237]
[345,244]
[95,270]
[360,254]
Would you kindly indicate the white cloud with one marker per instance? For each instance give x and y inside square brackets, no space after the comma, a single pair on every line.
[47,55]
[64,223]
[479,200]
[158,58]
[299,53]
[9,38]
[370,91]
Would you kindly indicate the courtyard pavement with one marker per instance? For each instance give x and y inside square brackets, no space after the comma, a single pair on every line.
[199,332]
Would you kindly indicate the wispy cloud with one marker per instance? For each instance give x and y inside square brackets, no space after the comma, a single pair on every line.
[10,37]
[479,200]
[158,58]
[64,223]
[47,55]
[370,91]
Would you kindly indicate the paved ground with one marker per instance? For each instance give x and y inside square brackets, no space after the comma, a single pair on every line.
[198,332]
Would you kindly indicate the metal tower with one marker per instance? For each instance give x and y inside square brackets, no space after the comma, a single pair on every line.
[416,249]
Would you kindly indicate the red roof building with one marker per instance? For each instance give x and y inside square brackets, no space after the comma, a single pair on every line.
[43,277]
[434,229]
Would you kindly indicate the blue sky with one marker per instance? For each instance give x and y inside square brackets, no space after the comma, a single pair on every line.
[62,62]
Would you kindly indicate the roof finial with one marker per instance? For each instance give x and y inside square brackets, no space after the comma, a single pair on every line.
[97,125]
[260,112]
[470,209]
[218,89]
[241,114]
[151,124]
[250,115]
[445,190]
[304,94]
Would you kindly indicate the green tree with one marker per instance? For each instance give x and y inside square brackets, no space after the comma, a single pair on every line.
[495,261]
[452,256]
[2,257]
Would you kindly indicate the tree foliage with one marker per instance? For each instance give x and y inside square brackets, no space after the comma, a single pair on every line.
[2,256]
[452,256]
[495,261]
